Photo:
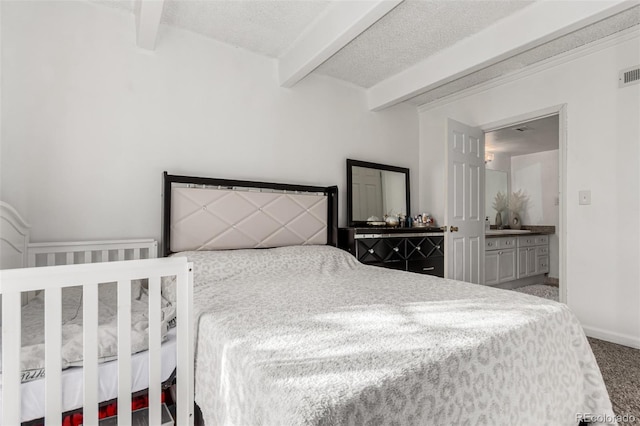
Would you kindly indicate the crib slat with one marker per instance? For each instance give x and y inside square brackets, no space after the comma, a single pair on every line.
[124,353]
[70,258]
[87,257]
[11,401]
[184,355]
[51,259]
[90,352]
[53,340]
[121,254]
[155,323]
[105,255]
[136,254]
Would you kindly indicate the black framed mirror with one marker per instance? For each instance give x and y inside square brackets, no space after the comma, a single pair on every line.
[375,190]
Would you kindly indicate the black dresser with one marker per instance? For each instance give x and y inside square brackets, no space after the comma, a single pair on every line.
[418,250]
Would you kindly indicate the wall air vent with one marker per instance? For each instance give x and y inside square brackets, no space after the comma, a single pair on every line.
[629,76]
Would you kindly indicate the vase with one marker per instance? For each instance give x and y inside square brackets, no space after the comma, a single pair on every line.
[514,220]
[499,220]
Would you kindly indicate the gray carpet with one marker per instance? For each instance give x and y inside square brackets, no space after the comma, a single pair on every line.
[620,367]
[540,290]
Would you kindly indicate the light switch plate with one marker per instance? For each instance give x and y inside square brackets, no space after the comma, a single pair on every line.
[584,197]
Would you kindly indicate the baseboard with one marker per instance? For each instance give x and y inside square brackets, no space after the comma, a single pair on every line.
[610,336]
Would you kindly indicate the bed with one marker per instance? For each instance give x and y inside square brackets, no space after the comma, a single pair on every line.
[292,330]
[116,338]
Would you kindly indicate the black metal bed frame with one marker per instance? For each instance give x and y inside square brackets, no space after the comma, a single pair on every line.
[168,180]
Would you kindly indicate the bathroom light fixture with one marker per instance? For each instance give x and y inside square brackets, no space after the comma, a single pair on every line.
[488,157]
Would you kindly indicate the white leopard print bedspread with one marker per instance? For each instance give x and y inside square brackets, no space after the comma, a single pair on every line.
[309,336]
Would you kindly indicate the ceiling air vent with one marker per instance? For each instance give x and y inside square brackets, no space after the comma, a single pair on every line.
[629,76]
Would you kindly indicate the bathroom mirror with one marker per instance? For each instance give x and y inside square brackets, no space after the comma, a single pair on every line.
[375,190]
[495,181]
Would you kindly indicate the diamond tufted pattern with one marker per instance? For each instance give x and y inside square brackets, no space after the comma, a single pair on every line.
[215,219]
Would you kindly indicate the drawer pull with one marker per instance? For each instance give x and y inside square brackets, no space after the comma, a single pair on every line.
[490,244]
[396,249]
[499,252]
[430,268]
[508,243]
[371,251]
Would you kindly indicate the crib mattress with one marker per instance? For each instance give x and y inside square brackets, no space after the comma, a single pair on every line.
[33,406]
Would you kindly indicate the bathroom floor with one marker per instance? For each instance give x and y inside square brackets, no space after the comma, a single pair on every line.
[540,290]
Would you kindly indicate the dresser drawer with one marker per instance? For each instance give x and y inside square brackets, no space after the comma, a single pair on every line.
[543,264]
[542,239]
[542,250]
[430,266]
[491,243]
[507,243]
[380,250]
[427,247]
[527,241]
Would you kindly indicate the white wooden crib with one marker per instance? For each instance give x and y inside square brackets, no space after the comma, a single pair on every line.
[54,266]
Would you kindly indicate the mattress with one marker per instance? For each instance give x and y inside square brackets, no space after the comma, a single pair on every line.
[309,336]
[72,381]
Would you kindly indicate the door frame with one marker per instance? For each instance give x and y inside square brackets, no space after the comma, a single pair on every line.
[561,112]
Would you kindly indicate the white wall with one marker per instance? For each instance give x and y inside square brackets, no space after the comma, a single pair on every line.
[501,161]
[537,176]
[603,155]
[89,121]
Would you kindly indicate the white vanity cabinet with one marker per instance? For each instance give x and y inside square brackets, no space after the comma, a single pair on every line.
[511,258]
[500,260]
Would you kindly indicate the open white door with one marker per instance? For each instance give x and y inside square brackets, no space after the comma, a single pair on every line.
[465,203]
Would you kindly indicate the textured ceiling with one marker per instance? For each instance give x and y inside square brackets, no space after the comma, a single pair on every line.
[266,27]
[410,33]
[541,135]
[616,23]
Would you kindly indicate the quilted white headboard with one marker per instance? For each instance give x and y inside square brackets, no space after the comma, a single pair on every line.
[217,214]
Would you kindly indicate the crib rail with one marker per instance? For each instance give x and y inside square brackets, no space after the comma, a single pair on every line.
[80,252]
[52,280]
[51,254]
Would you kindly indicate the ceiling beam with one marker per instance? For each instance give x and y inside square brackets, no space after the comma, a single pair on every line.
[342,22]
[148,16]
[530,27]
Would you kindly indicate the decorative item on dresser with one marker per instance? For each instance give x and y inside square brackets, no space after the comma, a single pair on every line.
[418,250]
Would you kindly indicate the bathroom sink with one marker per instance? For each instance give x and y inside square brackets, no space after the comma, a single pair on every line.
[507,231]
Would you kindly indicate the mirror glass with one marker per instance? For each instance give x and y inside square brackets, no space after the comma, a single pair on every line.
[495,181]
[375,190]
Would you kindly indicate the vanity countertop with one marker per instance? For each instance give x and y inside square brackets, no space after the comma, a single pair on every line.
[533,230]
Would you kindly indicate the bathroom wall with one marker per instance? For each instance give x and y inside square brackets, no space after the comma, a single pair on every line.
[537,176]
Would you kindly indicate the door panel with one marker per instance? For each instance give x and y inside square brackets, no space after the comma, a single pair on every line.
[465,206]
[459,253]
[475,257]
[507,265]
[458,191]
[491,267]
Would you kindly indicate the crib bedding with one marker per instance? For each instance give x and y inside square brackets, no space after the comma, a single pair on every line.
[309,336]
[72,381]
[32,353]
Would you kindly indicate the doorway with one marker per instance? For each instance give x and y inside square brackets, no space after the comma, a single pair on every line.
[528,152]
